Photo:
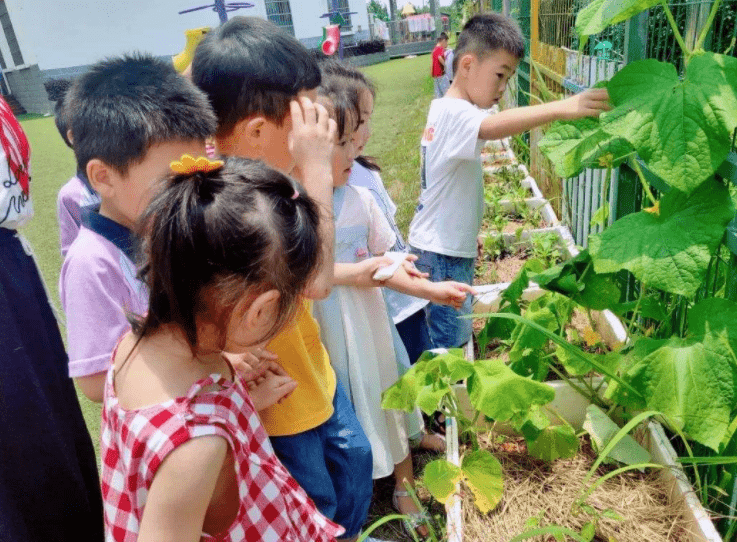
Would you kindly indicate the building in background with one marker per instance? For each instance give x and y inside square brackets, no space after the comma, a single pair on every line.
[43,39]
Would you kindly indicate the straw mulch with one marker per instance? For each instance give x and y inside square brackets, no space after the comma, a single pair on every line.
[535,488]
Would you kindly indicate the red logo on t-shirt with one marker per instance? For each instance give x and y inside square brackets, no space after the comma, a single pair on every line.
[429,134]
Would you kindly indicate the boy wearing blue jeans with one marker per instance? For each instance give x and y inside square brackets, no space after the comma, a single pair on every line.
[444,230]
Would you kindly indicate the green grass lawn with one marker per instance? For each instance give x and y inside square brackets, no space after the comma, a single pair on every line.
[404,93]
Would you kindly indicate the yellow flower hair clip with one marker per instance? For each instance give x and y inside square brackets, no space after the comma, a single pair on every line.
[189,165]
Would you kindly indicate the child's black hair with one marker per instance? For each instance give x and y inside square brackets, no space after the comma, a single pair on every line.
[249,66]
[442,36]
[209,239]
[56,90]
[336,96]
[355,82]
[486,33]
[123,106]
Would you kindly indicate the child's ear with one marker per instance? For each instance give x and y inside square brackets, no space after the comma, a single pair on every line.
[251,132]
[101,177]
[70,137]
[464,64]
[262,312]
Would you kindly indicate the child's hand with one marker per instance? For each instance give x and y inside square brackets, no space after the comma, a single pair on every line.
[450,293]
[251,365]
[312,138]
[412,271]
[589,103]
[270,388]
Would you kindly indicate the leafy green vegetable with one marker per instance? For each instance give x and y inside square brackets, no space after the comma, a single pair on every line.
[500,393]
[482,473]
[600,14]
[577,280]
[575,145]
[681,129]
[669,250]
[440,477]
[554,442]
[601,429]
[693,381]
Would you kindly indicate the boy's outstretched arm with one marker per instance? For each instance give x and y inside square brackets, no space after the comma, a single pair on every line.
[311,142]
[590,103]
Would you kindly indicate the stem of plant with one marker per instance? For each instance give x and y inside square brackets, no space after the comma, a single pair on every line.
[645,186]
[637,308]
[707,26]
[677,33]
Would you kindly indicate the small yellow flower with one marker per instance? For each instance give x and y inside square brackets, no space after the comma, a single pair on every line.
[189,165]
[654,210]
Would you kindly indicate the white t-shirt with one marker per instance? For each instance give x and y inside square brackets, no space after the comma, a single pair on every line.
[451,206]
[401,306]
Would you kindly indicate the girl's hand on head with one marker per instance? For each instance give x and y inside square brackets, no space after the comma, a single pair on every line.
[313,134]
[412,271]
[589,103]
[451,293]
[251,365]
[269,389]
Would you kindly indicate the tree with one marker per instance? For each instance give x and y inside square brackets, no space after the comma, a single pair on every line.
[378,10]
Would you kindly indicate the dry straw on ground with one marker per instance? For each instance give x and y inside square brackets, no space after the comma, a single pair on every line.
[535,488]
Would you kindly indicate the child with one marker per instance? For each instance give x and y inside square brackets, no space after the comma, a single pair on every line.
[49,487]
[261,82]
[130,117]
[438,65]
[407,312]
[356,326]
[446,224]
[77,192]
[185,456]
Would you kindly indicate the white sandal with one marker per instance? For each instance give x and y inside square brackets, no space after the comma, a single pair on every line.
[415,519]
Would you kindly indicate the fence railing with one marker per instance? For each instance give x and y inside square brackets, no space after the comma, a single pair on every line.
[409,30]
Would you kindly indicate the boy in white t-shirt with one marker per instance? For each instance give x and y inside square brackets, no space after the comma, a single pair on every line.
[444,230]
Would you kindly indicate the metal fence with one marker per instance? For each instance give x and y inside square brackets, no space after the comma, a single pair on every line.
[553,67]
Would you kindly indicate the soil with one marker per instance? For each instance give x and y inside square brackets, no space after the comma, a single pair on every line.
[536,489]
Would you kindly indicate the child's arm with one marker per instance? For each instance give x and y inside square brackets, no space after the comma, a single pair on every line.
[509,122]
[443,293]
[311,142]
[361,275]
[181,491]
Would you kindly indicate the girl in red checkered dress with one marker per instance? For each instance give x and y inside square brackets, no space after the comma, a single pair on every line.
[227,250]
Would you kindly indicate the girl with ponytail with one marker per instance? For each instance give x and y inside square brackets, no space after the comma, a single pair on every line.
[228,247]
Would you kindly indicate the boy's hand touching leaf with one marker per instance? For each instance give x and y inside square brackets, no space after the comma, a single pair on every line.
[589,103]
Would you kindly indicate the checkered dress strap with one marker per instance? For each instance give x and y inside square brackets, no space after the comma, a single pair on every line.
[273,507]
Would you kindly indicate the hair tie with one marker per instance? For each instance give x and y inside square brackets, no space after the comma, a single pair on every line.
[296,194]
[189,165]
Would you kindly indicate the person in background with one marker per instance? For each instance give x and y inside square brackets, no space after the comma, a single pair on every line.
[438,65]
[49,487]
[77,191]
[449,55]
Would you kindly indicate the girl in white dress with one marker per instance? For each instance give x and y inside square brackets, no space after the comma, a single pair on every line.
[354,319]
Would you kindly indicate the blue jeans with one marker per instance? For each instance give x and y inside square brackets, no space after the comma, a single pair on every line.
[447,330]
[415,335]
[333,463]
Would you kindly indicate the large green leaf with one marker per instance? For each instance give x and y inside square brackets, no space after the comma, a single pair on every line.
[693,381]
[554,442]
[532,424]
[440,477]
[600,14]
[681,129]
[575,145]
[525,355]
[601,429]
[669,250]
[577,279]
[500,393]
[482,472]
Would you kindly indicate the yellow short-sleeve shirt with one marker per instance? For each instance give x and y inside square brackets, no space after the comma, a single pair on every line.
[304,357]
